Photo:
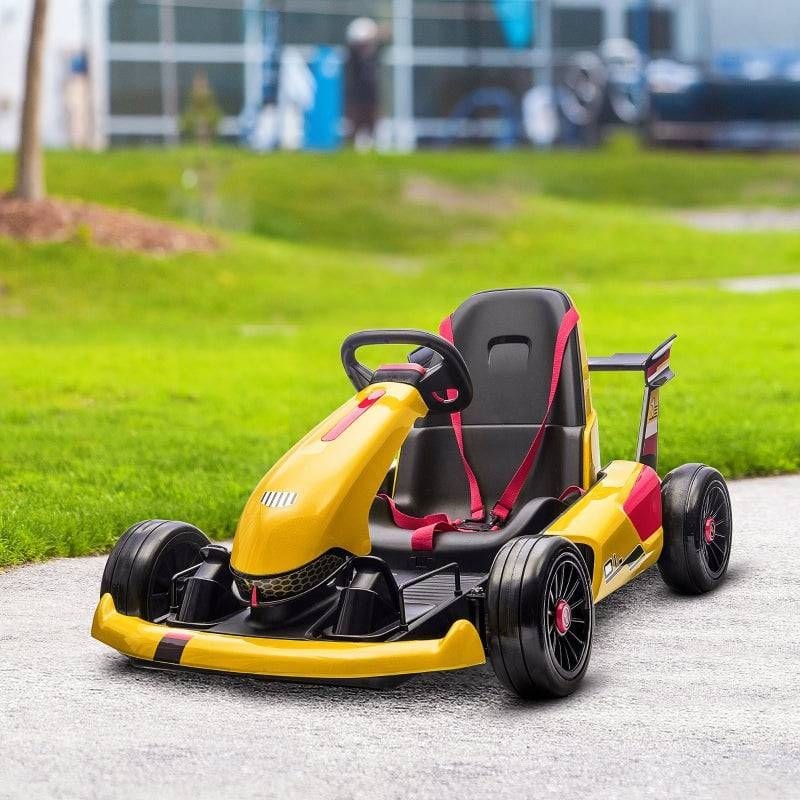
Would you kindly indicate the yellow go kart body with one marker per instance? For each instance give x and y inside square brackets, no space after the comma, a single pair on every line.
[316,500]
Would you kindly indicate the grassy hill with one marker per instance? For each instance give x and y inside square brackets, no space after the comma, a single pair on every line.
[136,386]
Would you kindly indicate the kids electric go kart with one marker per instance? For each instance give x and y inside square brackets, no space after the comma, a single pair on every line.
[352,563]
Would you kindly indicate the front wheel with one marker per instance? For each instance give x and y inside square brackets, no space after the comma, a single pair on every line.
[138,573]
[698,529]
[540,616]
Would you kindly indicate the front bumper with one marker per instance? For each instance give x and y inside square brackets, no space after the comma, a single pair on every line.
[320,659]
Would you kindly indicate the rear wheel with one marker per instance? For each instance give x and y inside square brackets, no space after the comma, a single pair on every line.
[139,571]
[540,616]
[698,529]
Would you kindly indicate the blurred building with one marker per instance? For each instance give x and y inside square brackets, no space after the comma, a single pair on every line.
[451,69]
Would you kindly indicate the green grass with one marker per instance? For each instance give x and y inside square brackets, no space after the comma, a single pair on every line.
[135,386]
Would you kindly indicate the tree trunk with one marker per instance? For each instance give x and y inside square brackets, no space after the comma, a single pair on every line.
[30,171]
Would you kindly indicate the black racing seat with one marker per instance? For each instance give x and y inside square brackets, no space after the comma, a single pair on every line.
[507,338]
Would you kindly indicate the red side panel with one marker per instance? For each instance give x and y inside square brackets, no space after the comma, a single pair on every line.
[643,505]
[659,366]
[346,421]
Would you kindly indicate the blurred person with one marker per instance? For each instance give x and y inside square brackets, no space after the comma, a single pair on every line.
[202,115]
[296,90]
[361,81]
[78,103]
[281,124]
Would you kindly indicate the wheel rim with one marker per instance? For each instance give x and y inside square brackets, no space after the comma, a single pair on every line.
[715,538]
[568,612]
[174,558]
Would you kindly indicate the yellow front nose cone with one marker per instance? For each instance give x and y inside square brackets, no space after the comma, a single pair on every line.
[317,497]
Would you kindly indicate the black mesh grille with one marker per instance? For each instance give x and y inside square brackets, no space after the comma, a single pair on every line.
[281,587]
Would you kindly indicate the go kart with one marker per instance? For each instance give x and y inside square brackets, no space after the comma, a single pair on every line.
[369,552]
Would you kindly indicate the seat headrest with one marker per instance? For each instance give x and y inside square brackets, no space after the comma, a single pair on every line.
[507,338]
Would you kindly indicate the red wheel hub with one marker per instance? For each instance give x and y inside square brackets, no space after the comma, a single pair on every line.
[563,616]
[709,529]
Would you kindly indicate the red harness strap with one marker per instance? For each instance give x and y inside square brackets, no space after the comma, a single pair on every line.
[425,528]
[505,504]
[477,511]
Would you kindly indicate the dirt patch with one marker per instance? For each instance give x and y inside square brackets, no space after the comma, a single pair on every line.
[454,199]
[65,220]
[743,220]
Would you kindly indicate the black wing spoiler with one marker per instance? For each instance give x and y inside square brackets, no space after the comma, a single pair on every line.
[655,365]
[657,372]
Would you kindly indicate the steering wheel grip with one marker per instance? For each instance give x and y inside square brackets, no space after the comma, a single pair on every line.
[451,373]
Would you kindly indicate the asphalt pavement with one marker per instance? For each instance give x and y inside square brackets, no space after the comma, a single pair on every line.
[684,697]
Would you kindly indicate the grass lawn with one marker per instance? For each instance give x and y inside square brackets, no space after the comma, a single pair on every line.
[137,386]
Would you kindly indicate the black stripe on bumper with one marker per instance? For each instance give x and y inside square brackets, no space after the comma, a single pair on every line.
[170,648]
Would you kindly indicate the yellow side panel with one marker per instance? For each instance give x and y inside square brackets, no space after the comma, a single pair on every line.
[331,485]
[460,647]
[591,435]
[599,520]
[591,450]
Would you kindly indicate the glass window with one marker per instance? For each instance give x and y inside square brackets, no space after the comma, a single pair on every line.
[134,140]
[209,25]
[313,28]
[456,23]
[321,28]
[577,27]
[227,81]
[659,28]
[134,87]
[132,21]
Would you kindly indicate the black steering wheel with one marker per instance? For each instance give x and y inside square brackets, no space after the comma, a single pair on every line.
[448,371]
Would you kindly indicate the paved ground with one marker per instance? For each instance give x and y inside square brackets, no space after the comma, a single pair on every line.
[684,698]
[761,284]
[737,220]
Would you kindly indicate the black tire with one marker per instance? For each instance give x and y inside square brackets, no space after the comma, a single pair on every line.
[139,569]
[529,579]
[698,529]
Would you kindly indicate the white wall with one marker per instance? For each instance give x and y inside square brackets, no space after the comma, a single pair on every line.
[70,24]
[742,24]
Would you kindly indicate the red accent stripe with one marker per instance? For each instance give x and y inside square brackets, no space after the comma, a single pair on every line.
[650,445]
[643,504]
[651,370]
[346,421]
[177,636]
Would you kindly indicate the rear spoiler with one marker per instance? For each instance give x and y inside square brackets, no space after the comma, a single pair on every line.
[657,372]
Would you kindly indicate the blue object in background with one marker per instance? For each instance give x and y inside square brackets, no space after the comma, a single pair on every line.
[758,64]
[641,26]
[79,64]
[324,118]
[492,98]
[271,63]
[516,20]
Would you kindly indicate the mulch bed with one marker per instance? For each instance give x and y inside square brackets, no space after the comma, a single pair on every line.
[64,220]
